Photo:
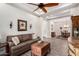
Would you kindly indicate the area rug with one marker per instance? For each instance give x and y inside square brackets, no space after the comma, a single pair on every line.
[59,47]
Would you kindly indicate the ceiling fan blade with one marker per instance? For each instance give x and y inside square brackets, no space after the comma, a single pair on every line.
[36,9]
[50,4]
[33,4]
[43,8]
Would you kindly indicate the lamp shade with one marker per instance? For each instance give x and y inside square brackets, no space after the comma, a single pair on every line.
[66,26]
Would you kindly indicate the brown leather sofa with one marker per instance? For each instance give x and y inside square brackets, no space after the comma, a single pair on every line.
[24,45]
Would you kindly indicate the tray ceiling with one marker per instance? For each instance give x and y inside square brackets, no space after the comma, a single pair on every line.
[51,10]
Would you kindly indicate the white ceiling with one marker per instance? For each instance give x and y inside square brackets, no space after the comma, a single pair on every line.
[62,8]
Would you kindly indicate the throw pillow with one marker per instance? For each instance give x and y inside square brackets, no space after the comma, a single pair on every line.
[15,40]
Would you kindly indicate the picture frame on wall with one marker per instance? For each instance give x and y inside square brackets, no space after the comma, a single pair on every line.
[22,25]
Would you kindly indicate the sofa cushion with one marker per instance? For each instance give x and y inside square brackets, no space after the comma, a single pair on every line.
[32,41]
[20,48]
[20,37]
[9,38]
[26,37]
[24,44]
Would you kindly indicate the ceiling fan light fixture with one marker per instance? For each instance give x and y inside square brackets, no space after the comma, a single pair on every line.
[43,6]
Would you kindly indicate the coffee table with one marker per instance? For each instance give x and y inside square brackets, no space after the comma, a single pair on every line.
[40,49]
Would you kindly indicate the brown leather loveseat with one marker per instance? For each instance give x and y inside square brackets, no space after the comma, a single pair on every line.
[24,45]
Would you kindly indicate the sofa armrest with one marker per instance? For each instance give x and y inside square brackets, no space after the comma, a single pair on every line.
[8,47]
[10,44]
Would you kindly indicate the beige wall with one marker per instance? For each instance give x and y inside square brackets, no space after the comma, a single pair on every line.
[11,14]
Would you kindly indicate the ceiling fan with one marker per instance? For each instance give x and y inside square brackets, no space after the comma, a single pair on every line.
[42,6]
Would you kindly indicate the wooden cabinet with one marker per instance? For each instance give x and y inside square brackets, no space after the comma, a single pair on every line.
[75,21]
[75,25]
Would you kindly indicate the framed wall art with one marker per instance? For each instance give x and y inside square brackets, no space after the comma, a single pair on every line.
[22,25]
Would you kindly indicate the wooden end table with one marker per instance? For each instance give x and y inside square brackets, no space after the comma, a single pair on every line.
[40,49]
[3,45]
